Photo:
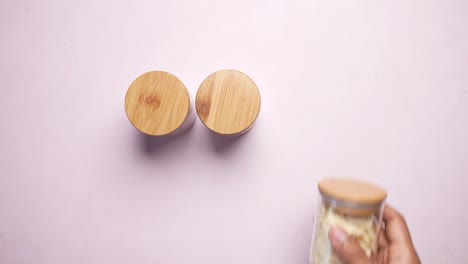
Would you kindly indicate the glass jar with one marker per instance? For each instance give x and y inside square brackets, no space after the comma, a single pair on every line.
[352,205]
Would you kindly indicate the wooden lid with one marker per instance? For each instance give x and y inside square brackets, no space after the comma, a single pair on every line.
[228,102]
[157,103]
[352,191]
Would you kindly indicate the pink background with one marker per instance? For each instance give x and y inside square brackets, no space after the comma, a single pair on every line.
[370,89]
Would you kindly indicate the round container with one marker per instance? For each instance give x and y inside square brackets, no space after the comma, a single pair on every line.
[352,205]
[228,102]
[158,104]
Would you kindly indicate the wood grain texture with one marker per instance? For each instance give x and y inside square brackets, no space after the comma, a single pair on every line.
[353,191]
[228,102]
[157,103]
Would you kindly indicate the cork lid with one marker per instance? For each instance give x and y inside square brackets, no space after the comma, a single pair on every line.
[352,191]
[157,103]
[228,102]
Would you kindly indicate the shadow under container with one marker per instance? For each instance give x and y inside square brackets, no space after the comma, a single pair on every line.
[352,205]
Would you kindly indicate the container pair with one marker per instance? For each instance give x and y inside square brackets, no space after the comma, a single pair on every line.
[158,103]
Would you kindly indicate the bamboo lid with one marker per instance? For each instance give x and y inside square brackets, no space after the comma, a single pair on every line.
[352,191]
[157,103]
[228,102]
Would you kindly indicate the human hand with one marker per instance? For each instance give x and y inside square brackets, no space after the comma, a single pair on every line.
[395,245]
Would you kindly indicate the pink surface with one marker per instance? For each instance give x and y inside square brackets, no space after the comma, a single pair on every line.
[372,90]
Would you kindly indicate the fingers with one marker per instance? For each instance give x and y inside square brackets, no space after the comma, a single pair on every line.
[383,240]
[401,247]
[346,247]
[395,227]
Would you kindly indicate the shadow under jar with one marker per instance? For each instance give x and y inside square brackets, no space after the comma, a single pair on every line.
[352,205]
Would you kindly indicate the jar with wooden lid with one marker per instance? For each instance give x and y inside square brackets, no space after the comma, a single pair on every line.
[228,102]
[352,205]
[157,103]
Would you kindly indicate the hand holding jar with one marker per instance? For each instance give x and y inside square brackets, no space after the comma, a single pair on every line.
[353,225]
[394,245]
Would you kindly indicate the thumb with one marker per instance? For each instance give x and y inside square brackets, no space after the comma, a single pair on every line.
[347,248]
